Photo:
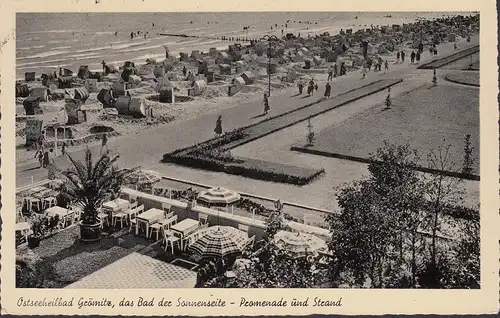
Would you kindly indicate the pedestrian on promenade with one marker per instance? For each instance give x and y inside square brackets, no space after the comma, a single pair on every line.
[386,66]
[310,89]
[417,56]
[402,56]
[45,159]
[398,56]
[316,87]
[104,143]
[363,71]
[435,51]
[455,46]
[39,156]
[184,70]
[51,174]
[218,126]
[328,89]
[265,101]
[63,148]
[412,57]
[300,84]
[330,73]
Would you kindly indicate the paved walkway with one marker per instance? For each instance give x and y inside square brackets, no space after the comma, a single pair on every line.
[147,148]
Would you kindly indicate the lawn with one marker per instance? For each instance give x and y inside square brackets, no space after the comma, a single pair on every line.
[423,118]
[464,77]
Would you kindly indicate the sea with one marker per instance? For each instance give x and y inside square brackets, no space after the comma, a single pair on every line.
[47,41]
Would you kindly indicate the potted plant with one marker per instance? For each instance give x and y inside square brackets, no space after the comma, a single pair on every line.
[38,230]
[89,185]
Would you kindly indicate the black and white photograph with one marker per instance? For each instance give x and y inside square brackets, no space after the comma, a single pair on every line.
[220,150]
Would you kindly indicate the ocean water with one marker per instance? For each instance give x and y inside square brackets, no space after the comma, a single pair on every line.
[47,41]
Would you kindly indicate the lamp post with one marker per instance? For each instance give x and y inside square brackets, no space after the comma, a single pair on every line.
[269,38]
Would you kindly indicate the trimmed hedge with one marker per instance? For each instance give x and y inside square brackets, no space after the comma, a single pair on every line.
[250,168]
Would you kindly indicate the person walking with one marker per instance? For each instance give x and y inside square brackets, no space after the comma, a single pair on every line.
[51,173]
[363,71]
[402,56]
[300,84]
[39,156]
[184,70]
[310,89]
[417,56]
[218,126]
[316,87]
[330,73]
[398,55]
[265,101]
[412,57]
[435,51]
[386,66]
[328,89]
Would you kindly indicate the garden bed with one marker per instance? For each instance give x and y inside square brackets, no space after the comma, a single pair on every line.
[464,78]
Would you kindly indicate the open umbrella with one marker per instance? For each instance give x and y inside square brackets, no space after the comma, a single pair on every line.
[220,241]
[299,244]
[143,177]
[219,197]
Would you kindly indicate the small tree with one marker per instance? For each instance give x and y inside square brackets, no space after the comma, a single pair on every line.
[388,100]
[441,191]
[468,157]
[434,78]
[310,133]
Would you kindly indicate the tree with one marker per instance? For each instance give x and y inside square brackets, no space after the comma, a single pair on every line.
[310,133]
[468,157]
[441,191]
[368,238]
[90,185]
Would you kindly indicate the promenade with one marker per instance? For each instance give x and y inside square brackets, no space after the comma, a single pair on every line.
[146,148]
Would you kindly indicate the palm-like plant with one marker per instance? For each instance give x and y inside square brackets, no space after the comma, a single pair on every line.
[90,185]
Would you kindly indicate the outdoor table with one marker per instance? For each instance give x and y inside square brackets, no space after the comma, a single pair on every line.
[116,205]
[184,228]
[149,217]
[57,210]
[37,189]
[24,228]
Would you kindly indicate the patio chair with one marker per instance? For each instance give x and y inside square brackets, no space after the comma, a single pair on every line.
[31,202]
[133,205]
[104,217]
[170,239]
[203,218]
[159,226]
[171,220]
[119,216]
[49,202]
[133,199]
[166,207]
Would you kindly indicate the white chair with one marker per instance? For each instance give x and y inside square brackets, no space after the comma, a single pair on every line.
[133,205]
[170,239]
[133,199]
[156,227]
[166,207]
[24,228]
[31,202]
[120,216]
[104,217]
[203,218]
[49,202]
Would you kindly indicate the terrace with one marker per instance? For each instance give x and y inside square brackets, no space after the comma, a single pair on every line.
[143,228]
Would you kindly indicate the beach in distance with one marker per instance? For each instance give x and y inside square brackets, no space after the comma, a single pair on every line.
[68,40]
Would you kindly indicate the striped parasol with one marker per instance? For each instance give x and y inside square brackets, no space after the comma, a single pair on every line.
[219,196]
[220,241]
[299,244]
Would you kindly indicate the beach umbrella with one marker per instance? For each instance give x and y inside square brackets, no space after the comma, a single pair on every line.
[219,196]
[143,177]
[299,244]
[220,241]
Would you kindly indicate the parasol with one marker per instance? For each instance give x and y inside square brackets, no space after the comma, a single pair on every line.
[219,196]
[299,244]
[220,241]
[143,177]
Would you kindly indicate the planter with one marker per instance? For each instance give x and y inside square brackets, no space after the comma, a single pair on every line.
[34,241]
[90,233]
